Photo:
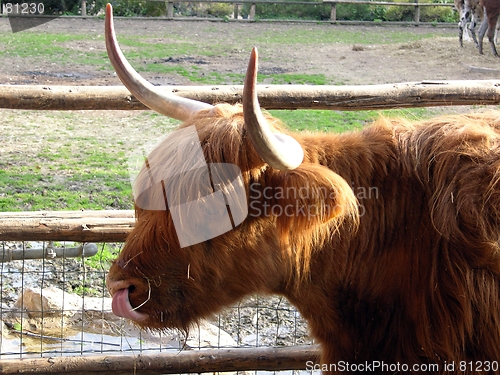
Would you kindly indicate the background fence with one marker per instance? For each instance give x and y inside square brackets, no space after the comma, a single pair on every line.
[237,4]
[58,306]
[251,6]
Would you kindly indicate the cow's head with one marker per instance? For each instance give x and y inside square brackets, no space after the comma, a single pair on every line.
[227,205]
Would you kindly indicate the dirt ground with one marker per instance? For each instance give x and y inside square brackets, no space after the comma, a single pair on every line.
[435,58]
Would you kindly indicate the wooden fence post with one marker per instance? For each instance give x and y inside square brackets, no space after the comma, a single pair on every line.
[237,7]
[84,8]
[170,9]
[417,12]
[333,12]
[251,15]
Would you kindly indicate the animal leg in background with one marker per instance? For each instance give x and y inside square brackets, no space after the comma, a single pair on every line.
[488,26]
[472,11]
[459,4]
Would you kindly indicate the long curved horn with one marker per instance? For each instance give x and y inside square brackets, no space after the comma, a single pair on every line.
[278,150]
[167,104]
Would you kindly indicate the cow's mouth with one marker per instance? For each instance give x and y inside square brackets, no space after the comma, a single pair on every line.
[122,307]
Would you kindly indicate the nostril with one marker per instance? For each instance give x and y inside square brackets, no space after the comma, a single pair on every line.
[116,285]
[131,288]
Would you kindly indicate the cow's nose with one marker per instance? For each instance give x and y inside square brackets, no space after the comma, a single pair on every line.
[120,304]
[114,286]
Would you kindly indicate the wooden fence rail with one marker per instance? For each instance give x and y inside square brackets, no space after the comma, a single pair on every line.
[173,362]
[362,97]
[79,226]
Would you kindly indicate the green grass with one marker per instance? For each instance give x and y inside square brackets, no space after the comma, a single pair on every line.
[151,54]
[106,253]
[68,166]
[51,47]
[315,120]
[294,79]
[66,179]
[341,121]
[86,172]
[373,35]
[33,191]
[28,43]
[194,75]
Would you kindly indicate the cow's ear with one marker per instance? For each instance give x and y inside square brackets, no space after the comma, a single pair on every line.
[310,196]
[309,204]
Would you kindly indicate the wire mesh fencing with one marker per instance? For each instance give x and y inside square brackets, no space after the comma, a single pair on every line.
[59,305]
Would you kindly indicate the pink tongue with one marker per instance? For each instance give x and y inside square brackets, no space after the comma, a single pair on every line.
[121,306]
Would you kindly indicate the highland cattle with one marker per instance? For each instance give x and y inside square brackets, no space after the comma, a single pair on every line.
[385,239]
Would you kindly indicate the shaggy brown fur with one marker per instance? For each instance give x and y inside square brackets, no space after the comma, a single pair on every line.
[395,259]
